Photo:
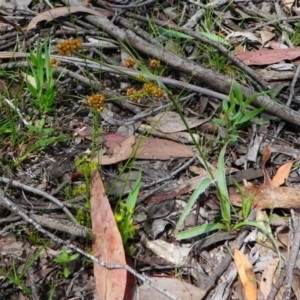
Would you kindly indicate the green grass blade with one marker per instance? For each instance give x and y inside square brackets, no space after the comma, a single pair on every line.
[203,185]
[222,188]
[173,33]
[132,197]
[215,38]
[205,228]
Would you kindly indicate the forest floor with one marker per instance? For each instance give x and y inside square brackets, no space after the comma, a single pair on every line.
[149,149]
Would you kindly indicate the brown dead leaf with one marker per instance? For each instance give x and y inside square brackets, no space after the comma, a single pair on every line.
[147,148]
[267,57]
[283,173]
[287,5]
[267,278]
[266,36]
[107,246]
[269,197]
[54,13]
[169,122]
[246,274]
[180,289]
[265,158]
[120,152]
[153,148]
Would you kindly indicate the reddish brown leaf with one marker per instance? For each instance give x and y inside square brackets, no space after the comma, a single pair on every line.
[51,14]
[246,274]
[283,173]
[110,284]
[267,57]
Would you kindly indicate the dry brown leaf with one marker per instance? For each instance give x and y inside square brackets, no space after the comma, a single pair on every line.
[249,35]
[266,36]
[287,5]
[63,11]
[276,45]
[246,274]
[107,246]
[152,148]
[283,173]
[182,137]
[266,156]
[147,148]
[269,197]
[169,122]
[267,277]
[120,153]
[180,289]
[267,57]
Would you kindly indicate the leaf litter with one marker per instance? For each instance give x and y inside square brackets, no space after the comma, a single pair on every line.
[158,142]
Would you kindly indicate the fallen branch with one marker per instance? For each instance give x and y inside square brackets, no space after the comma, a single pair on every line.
[208,77]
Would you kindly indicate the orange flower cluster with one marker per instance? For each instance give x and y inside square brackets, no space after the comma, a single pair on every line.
[148,89]
[54,63]
[129,62]
[153,90]
[134,94]
[96,101]
[68,46]
[154,64]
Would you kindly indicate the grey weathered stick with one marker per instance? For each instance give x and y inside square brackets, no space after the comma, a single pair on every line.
[206,76]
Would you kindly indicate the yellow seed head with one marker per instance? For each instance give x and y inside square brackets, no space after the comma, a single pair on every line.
[154,64]
[96,101]
[68,46]
[129,62]
[54,63]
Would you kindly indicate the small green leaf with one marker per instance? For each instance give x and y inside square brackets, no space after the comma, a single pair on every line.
[202,186]
[219,122]
[31,89]
[250,115]
[225,105]
[215,38]
[74,256]
[32,128]
[132,197]
[173,33]
[66,272]
[238,92]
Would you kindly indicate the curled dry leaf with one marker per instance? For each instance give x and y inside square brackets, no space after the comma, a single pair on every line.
[246,274]
[51,14]
[283,173]
[266,156]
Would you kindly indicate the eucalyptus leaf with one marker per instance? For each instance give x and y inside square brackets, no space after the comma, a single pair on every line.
[215,38]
